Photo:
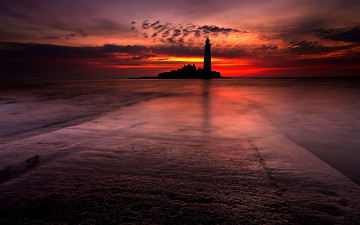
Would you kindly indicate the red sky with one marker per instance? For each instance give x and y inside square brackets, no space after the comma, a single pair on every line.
[115,39]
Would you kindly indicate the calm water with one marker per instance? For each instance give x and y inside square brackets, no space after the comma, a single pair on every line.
[143,134]
[321,115]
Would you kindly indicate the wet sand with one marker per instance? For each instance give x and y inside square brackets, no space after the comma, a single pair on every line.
[160,155]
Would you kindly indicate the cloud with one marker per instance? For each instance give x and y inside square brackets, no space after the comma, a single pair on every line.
[215,29]
[197,33]
[34,60]
[166,33]
[266,50]
[341,34]
[32,18]
[51,37]
[43,53]
[177,50]
[312,48]
[131,49]
[180,32]
[171,40]
[154,24]
[186,32]
[301,26]
[44,60]
[145,25]
[177,32]
[58,37]
[161,27]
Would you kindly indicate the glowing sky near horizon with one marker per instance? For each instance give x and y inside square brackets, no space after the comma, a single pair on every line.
[99,39]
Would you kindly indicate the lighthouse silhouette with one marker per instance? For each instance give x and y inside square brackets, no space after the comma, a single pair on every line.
[207,56]
[191,72]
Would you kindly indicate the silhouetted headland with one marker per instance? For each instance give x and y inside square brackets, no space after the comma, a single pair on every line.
[190,71]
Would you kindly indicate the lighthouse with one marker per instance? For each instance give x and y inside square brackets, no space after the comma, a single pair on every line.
[207,56]
[191,72]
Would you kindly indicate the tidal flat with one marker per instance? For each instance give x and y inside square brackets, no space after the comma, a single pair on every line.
[231,151]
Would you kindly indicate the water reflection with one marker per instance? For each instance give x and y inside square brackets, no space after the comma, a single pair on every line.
[322,117]
[319,115]
[206,107]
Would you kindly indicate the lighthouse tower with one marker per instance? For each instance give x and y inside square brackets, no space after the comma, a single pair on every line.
[190,71]
[207,56]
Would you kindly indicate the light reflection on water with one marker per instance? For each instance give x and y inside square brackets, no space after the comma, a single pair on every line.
[320,115]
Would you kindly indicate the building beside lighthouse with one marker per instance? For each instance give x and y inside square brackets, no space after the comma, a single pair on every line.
[191,72]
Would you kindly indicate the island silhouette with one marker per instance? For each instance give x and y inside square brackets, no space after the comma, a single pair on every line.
[190,72]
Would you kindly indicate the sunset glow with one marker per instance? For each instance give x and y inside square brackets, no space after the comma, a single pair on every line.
[265,38]
[180,112]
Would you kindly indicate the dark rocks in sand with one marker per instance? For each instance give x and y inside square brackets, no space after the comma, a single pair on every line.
[32,161]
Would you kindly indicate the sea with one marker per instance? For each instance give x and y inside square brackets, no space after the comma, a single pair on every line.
[296,129]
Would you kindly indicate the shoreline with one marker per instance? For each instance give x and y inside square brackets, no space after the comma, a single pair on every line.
[141,164]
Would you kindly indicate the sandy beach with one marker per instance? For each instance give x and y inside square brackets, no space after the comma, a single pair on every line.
[141,152]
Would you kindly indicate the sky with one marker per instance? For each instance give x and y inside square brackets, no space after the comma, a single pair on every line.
[95,39]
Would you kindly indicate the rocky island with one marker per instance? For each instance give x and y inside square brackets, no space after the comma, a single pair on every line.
[191,72]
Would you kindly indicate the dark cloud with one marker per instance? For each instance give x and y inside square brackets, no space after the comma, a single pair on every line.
[186,32]
[268,47]
[44,59]
[47,52]
[183,31]
[145,24]
[29,51]
[29,60]
[68,36]
[162,27]
[58,37]
[82,33]
[177,50]
[215,29]
[92,27]
[166,33]
[301,27]
[266,50]
[131,49]
[33,21]
[171,40]
[43,53]
[197,33]
[157,27]
[51,37]
[341,34]
[154,24]
[237,52]
[312,48]
[177,32]
[143,56]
